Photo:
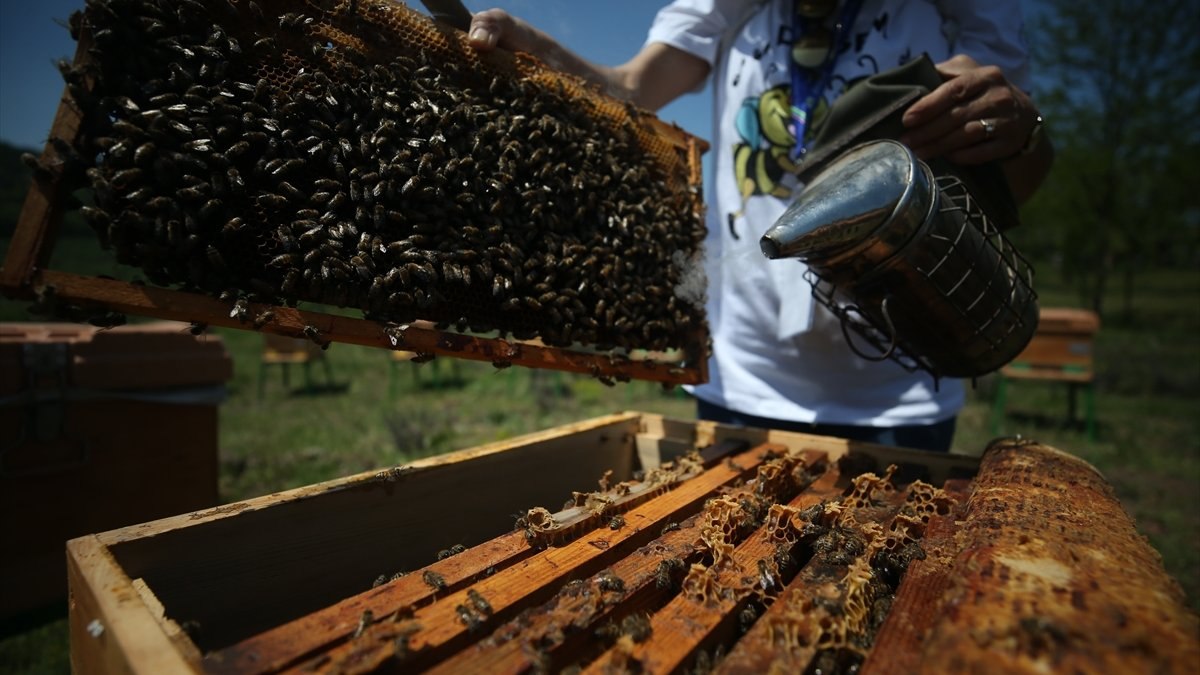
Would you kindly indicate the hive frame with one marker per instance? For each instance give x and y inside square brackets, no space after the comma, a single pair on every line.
[26,275]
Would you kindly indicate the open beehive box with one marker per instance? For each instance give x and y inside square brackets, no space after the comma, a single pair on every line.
[701,547]
[347,170]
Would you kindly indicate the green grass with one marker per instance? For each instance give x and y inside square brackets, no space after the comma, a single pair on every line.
[378,414]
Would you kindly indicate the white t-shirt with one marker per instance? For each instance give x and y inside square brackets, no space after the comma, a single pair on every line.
[777,353]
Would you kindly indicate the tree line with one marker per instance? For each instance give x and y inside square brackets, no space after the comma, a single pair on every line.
[1119,86]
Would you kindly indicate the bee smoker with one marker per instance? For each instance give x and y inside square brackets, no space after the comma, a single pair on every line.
[909,262]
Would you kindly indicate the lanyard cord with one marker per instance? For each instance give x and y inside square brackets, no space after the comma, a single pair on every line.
[809,83]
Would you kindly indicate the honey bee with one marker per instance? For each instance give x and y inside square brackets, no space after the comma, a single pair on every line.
[287,166]
[211,208]
[480,603]
[291,192]
[434,580]
[667,573]
[274,201]
[607,581]
[410,186]
[637,626]
[312,333]
[262,318]
[364,622]
[240,309]
[747,617]
[123,178]
[470,619]
[40,172]
[766,576]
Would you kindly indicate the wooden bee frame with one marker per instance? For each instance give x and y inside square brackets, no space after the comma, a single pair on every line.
[26,274]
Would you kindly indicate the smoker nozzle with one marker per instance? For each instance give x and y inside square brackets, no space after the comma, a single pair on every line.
[877,190]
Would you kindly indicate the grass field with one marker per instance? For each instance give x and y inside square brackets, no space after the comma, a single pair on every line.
[375,414]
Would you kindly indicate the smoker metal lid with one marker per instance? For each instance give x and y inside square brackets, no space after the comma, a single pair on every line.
[875,190]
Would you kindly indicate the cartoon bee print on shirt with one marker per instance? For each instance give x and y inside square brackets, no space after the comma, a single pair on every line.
[762,158]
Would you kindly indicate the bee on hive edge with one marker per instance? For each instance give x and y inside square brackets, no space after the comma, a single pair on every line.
[434,580]
[480,603]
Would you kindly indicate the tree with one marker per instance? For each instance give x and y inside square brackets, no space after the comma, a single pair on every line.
[1117,83]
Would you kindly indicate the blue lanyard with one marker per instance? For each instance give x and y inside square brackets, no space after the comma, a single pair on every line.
[809,83]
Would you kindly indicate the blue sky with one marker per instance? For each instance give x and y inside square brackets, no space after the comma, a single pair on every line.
[30,41]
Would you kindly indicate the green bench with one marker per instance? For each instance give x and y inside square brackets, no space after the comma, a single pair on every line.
[1061,351]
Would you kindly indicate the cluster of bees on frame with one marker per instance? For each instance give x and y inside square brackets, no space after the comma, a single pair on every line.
[257,154]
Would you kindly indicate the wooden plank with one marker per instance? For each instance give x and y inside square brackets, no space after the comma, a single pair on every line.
[128,298]
[559,634]
[435,632]
[662,440]
[112,629]
[688,623]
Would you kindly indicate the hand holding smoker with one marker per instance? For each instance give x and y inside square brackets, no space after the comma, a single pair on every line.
[909,262]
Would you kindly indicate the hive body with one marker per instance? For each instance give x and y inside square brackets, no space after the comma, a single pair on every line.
[702,546]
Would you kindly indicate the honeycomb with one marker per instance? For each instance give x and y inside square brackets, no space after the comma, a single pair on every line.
[1052,576]
[356,154]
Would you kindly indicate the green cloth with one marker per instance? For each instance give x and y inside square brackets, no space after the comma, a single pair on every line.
[872,109]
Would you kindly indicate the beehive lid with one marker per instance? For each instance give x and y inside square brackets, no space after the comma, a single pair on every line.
[158,355]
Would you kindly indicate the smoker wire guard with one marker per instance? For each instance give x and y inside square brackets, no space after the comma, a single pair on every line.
[883,337]
[872,110]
